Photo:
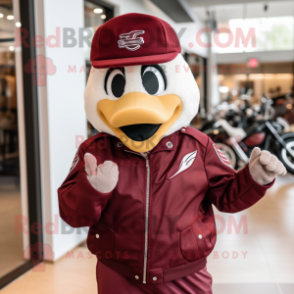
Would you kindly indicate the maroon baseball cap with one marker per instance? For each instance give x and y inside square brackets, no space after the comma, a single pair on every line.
[134,39]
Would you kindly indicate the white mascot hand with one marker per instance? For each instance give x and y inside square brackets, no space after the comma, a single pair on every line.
[264,166]
[103,177]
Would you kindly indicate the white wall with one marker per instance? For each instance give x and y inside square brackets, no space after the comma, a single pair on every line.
[62,115]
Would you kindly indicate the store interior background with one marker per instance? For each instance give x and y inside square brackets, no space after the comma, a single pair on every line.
[225,76]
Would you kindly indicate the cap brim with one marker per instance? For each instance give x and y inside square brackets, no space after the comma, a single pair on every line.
[142,60]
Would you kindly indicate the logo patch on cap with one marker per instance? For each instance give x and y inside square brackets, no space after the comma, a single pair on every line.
[130,40]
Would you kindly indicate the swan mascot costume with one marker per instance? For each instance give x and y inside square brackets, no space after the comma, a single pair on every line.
[146,183]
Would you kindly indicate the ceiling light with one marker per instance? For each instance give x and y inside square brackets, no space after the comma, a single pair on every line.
[10,17]
[98,10]
[1,15]
[103,16]
[18,24]
[11,48]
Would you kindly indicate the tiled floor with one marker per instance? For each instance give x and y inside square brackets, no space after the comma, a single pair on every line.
[254,288]
[70,275]
[269,242]
[268,247]
[11,251]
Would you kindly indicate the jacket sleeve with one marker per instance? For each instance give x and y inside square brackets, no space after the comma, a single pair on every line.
[230,191]
[79,203]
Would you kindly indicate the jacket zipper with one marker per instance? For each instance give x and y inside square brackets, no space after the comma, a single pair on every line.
[146,222]
[146,216]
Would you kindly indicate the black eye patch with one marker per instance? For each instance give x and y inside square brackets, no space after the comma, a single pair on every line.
[153,79]
[118,82]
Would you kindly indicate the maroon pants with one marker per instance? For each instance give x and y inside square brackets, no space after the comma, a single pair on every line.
[110,282]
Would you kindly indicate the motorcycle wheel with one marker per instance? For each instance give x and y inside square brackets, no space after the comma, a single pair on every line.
[286,159]
[229,153]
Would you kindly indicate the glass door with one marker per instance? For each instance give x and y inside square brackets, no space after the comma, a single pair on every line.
[11,242]
[20,185]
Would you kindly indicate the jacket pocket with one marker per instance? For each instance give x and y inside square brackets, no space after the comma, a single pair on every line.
[189,245]
[100,240]
[195,242]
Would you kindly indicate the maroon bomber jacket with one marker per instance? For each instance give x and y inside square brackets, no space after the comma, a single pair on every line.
[158,224]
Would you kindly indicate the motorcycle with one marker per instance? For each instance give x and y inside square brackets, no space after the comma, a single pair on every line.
[237,145]
[239,114]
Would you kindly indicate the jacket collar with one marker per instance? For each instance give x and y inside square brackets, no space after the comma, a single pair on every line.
[168,143]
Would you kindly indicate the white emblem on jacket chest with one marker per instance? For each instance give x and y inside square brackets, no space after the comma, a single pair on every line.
[130,40]
[186,162]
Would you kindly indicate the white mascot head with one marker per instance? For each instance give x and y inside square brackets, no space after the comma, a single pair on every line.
[140,88]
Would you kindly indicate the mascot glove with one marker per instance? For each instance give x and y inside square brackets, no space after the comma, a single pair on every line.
[264,166]
[103,177]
